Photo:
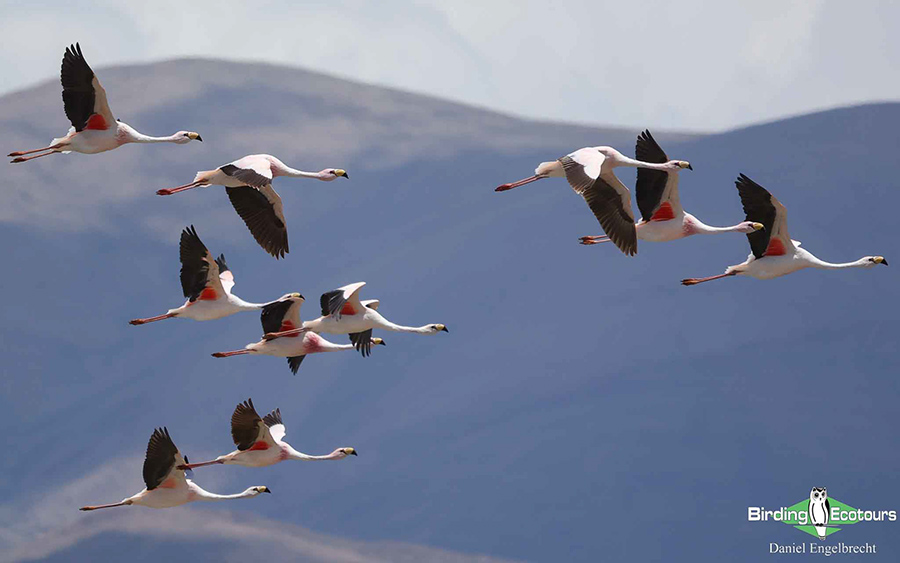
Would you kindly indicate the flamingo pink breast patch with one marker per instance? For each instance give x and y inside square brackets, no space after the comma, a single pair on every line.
[288,325]
[168,483]
[96,121]
[775,248]
[208,294]
[664,213]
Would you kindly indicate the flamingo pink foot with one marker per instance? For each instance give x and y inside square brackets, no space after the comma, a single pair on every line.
[151,319]
[587,241]
[229,354]
[27,158]
[695,281]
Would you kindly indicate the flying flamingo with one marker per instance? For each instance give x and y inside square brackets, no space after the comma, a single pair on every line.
[167,485]
[94,129]
[248,182]
[773,253]
[206,283]
[662,217]
[590,173]
[284,315]
[260,442]
[344,313]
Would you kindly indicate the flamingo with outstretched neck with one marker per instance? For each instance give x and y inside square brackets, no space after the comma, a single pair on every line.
[167,484]
[206,283]
[772,251]
[248,183]
[94,129]
[260,441]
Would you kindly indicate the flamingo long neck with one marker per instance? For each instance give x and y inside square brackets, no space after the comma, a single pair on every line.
[245,305]
[388,325]
[380,322]
[332,347]
[626,161]
[285,170]
[294,454]
[701,228]
[132,135]
[205,495]
[823,265]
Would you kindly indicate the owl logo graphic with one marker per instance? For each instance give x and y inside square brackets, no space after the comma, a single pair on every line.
[819,510]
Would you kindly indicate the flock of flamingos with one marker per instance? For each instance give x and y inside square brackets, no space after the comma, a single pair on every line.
[207,282]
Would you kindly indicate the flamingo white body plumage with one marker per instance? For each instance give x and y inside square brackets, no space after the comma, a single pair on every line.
[344,313]
[283,316]
[663,219]
[94,128]
[166,483]
[206,283]
[590,173]
[248,183]
[773,252]
[260,441]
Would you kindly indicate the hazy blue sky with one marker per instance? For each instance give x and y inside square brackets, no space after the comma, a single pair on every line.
[690,64]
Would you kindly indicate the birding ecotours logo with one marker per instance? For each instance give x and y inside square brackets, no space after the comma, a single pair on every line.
[819,515]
